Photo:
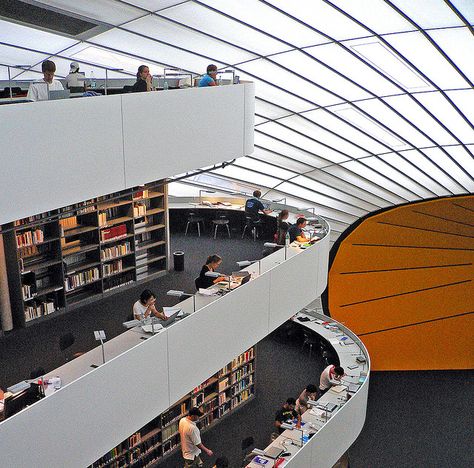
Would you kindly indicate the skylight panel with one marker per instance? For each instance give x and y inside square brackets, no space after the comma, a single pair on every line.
[398,126]
[331,122]
[410,109]
[249,176]
[283,147]
[458,44]
[383,181]
[269,20]
[322,17]
[308,128]
[303,142]
[466,160]
[179,36]
[13,56]
[320,74]
[369,185]
[272,111]
[390,64]
[154,5]
[366,124]
[259,166]
[428,13]
[438,105]
[352,67]
[280,77]
[418,50]
[284,161]
[464,100]
[216,25]
[377,15]
[465,8]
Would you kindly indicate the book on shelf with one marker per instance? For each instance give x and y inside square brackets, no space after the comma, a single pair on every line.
[81,279]
[109,253]
[29,238]
[139,210]
[114,232]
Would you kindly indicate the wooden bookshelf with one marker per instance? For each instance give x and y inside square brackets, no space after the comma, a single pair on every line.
[61,259]
[157,440]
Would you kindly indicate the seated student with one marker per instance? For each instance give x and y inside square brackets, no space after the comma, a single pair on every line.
[39,91]
[75,79]
[144,80]
[296,231]
[282,227]
[212,263]
[210,78]
[330,377]
[287,413]
[253,206]
[309,393]
[145,306]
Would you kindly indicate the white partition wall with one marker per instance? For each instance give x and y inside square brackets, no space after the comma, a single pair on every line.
[78,424]
[56,153]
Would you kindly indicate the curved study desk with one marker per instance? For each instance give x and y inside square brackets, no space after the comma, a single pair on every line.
[331,432]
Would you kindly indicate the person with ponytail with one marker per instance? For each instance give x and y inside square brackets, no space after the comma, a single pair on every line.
[212,263]
[144,80]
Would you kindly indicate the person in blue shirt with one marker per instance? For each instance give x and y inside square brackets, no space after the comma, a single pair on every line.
[296,231]
[253,206]
[210,78]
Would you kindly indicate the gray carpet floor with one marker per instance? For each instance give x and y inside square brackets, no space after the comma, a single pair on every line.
[414,419]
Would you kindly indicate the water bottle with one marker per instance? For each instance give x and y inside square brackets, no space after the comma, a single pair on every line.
[287,239]
[93,83]
[305,437]
[165,86]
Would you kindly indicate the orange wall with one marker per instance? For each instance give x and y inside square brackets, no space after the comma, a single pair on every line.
[403,280]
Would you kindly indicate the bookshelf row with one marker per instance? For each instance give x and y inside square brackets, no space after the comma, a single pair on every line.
[60,259]
[160,437]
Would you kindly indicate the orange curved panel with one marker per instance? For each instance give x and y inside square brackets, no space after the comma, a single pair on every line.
[403,280]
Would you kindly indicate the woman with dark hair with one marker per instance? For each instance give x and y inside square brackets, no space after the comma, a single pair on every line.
[145,306]
[144,80]
[212,263]
[282,227]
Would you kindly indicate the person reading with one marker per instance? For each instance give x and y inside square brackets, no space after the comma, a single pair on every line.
[212,264]
[296,232]
[145,306]
[309,393]
[330,377]
[287,413]
[39,91]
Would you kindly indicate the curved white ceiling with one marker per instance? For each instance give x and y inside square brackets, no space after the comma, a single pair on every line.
[360,104]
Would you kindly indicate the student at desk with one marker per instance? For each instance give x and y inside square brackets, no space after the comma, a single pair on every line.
[253,206]
[210,78]
[330,377]
[309,393]
[287,413]
[145,306]
[212,263]
[39,91]
[282,227]
[144,80]
[296,231]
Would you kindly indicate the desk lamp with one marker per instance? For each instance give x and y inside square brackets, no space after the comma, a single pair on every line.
[246,263]
[100,336]
[204,191]
[292,427]
[272,245]
[174,292]
[311,208]
[280,200]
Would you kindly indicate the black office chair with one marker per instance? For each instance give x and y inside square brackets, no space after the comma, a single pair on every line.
[194,219]
[310,339]
[65,342]
[221,220]
[247,454]
[127,89]
[251,224]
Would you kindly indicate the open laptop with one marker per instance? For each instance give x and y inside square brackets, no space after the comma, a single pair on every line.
[59,94]
[170,319]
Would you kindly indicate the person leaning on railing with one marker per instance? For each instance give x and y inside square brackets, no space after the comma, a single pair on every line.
[144,80]
[210,78]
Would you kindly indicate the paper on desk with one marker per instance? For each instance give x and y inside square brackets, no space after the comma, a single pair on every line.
[169,311]
[338,388]
[207,292]
[149,328]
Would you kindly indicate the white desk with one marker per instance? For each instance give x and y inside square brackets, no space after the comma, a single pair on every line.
[315,420]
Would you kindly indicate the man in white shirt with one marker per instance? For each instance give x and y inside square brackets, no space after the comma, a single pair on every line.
[330,377]
[39,91]
[145,307]
[191,444]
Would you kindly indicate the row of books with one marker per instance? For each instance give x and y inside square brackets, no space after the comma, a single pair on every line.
[38,310]
[115,251]
[243,384]
[174,413]
[114,267]
[75,259]
[109,213]
[29,238]
[140,194]
[240,373]
[32,219]
[119,281]
[114,232]
[203,385]
[69,222]
[28,290]
[80,279]
[237,362]
[170,430]
[241,397]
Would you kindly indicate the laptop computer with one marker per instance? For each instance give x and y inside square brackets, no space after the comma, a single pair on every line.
[245,279]
[59,94]
[170,319]
[273,452]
